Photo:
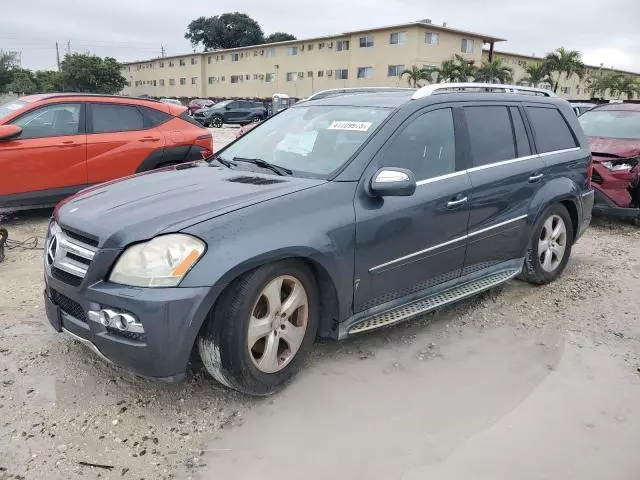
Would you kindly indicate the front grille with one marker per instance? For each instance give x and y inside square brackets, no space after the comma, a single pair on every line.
[81,238]
[66,277]
[138,337]
[69,254]
[68,306]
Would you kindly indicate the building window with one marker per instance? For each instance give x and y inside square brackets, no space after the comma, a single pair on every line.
[292,51]
[395,70]
[255,76]
[154,83]
[222,78]
[565,90]
[194,61]
[182,62]
[342,45]
[342,74]
[222,58]
[365,72]
[183,81]
[321,45]
[310,74]
[291,76]
[270,52]
[431,38]
[210,80]
[236,78]
[161,64]
[194,80]
[398,38]
[171,64]
[235,57]
[209,60]
[269,77]
[172,81]
[161,82]
[310,47]
[320,73]
[366,42]
[467,46]
[247,77]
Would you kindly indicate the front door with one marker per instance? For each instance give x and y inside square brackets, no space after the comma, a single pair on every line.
[505,176]
[408,244]
[48,158]
[233,112]
[118,141]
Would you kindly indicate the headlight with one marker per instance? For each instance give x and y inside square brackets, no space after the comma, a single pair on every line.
[161,262]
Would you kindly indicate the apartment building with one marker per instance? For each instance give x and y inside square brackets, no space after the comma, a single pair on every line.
[373,57]
[573,88]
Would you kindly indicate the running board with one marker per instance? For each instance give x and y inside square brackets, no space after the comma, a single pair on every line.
[433,302]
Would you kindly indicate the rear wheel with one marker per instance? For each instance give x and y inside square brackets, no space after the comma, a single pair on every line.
[262,328]
[216,121]
[256,119]
[550,246]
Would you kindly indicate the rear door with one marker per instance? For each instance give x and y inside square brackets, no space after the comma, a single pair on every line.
[48,158]
[120,137]
[505,175]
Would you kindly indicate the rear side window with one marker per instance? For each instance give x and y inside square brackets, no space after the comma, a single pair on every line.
[155,117]
[550,129]
[490,134]
[116,118]
[522,141]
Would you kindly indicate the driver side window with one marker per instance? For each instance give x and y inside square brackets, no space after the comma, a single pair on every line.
[50,121]
[426,146]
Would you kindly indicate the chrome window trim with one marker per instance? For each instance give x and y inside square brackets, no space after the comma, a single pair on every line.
[564,150]
[444,244]
[501,162]
[440,177]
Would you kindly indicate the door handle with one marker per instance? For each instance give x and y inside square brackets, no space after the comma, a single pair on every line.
[68,143]
[149,139]
[456,203]
[536,178]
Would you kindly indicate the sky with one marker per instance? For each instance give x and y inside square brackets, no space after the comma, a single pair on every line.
[604,32]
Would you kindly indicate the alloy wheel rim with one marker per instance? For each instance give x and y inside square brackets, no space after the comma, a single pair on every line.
[217,122]
[278,324]
[552,243]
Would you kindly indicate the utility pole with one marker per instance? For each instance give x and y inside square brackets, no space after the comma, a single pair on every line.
[163,51]
[68,47]
[58,55]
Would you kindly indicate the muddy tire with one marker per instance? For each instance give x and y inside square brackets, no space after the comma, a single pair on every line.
[550,245]
[262,328]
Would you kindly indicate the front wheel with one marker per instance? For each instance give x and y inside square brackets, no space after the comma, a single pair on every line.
[549,248]
[216,122]
[262,328]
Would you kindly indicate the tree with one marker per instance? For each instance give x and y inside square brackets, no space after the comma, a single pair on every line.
[8,63]
[600,84]
[536,74]
[278,37]
[229,30]
[494,71]
[415,74]
[22,81]
[92,74]
[564,62]
[447,72]
[465,69]
[625,85]
[49,81]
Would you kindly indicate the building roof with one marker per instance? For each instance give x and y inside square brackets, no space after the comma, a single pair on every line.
[423,23]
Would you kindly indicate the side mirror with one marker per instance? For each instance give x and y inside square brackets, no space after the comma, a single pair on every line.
[227,107]
[8,132]
[393,182]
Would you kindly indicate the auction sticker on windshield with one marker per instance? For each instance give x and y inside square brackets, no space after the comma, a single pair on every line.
[350,126]
[13,106]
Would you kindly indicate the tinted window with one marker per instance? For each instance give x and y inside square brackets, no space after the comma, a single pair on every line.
[115,118]
[50,121]
[233,105]
[426,146]
[550,129]
[246,104]
[522,142]
[154,117]
[490,134]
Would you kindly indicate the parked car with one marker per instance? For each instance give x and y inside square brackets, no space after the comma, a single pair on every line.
[199,103]
[172,101]
[245,128]
[333,218]
[580,108]
[613,134]
[231,112]
[53,145]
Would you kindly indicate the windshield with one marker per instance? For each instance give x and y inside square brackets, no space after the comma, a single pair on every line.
[222,104]
[611,124]
[10,107]
[315,140]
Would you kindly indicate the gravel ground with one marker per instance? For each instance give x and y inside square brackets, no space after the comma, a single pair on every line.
[62,409]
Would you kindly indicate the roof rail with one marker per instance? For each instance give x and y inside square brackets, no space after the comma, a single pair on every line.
[353,90]
[485,87]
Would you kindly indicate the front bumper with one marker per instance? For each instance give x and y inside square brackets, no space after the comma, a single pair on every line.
[171,318]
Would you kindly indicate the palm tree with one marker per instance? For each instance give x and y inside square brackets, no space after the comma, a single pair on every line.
[494,71]
[600,84]
[626,85]
[466,69]
[447,72]
[563,61]
[536,74]
[414,75]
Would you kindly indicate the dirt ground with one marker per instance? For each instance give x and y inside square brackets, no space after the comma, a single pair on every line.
[521,382]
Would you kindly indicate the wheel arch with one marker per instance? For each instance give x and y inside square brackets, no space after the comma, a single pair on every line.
[562,191]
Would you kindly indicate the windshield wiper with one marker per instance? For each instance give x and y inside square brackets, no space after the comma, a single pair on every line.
[264,164]
[222,161]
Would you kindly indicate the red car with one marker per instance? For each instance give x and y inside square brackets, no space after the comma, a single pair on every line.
[613,133]
[199,104]
[53,145]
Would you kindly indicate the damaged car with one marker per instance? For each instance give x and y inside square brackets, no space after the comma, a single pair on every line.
[613,134]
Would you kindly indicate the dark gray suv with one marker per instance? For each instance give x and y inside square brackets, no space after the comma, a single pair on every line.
[333,218]
[231,112]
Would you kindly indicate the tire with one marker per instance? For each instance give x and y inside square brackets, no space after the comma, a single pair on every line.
[544,267]
[216,121]
[224,342]
[256,119]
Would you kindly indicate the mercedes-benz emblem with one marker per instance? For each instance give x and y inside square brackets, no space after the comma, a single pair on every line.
[52,249]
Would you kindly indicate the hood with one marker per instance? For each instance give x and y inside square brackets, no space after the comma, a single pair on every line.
[168,200]
[612,148]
